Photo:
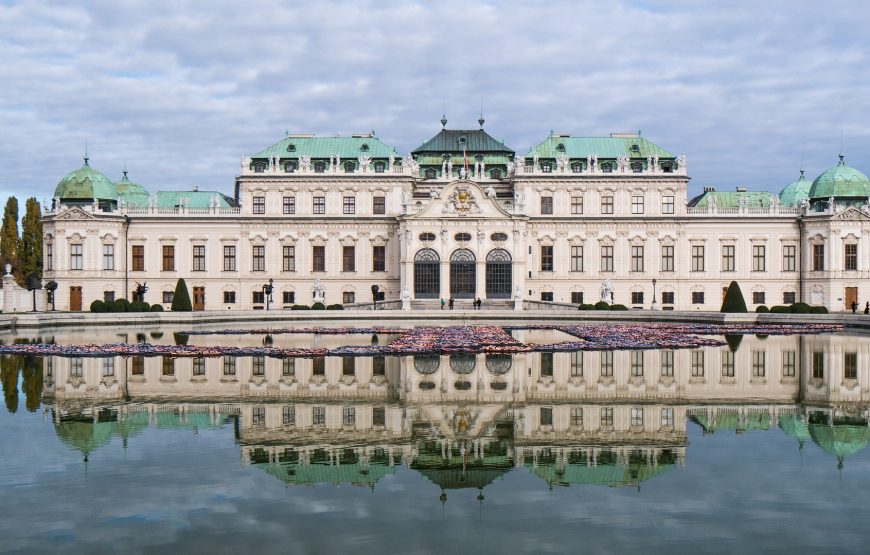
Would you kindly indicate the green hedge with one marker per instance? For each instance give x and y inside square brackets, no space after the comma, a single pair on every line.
[618,307]
[300,307]
[318,306]
[780,309]
[181,299]
[601,305]
[335,307]
[733,302]
[800,308]
[761,308]
[99,306]
[818,310]
[156,308]
[586,306]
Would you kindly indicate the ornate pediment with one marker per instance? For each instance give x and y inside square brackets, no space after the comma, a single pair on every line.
[461,199]
[73,214]
[461,202]
[852,214]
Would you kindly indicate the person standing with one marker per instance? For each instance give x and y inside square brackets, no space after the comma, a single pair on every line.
[867,308]
[451,303]
[442,304]
[854,307]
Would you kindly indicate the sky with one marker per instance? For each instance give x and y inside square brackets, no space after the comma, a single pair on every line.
[180,91]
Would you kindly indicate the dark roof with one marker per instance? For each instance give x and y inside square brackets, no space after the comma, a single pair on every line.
[447,140]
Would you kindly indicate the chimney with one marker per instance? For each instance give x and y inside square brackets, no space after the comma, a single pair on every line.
[196,188]
[709,189]
[741,189]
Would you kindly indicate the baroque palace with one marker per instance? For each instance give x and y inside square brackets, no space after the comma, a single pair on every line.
[463,216]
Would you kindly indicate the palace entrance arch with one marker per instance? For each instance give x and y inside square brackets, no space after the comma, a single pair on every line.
[499,272]
[427,274]
[463,274]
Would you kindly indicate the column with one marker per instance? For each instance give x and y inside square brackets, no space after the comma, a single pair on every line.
[480,277]
[445,279]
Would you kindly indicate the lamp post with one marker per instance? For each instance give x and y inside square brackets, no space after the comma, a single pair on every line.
[51,287]
[33,284]
[654,305]
[375,290]
[267,292]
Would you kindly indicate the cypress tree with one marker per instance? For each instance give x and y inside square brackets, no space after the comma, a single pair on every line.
[181,298]
[733,301]
[9,234]
[30,253]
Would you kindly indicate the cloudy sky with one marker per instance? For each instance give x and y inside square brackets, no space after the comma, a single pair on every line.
[181,90]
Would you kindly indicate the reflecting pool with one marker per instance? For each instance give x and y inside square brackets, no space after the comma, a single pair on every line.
[758,446]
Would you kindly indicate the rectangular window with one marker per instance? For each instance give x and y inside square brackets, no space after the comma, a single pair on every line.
[379,366]
[728,257]
[636,417]
[199,258]
[168,366]
[319,205]
[259,205]
[819,365]
[818,258]
[199,366]
[76,367]
[168,296]
[168,258]
[576,205]
[637,364]
[108,367]
[288,416]
[258,365]
[546,416]
[546,205]
[318,415]
[348,366]
[547,296]
[758,297]
[348,205]
[318,258]
[851,260]
[637,205]
[288,297]
[577,297]
[318,366]
[379,205]
[229,366]
[606,258]
[108,296]
[379,416]
[138,366]
[138,258]
[606,417]
[607,204]
[667,363]
[697,258]
[667,297]
[348,259]
[108,257]
[789,364]
[348,416]
[667,205]
[576,258]
[76,257]
[289,205]
[288,367]
[759,258]
[49,256]
[258,297]
[667,258]
[637,297]
[348,297]
[546,258]
[667,417]
[697,297]
[697,364]
[606,364]
[258,258]
[229,297]
[379,258]
[577,364]
[637,258]
[759,364]
[789,257]
[850,366]
[547,364]
[229,258]
[576,417]
[288,258]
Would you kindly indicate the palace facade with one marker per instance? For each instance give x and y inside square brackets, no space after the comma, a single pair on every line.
[463,216]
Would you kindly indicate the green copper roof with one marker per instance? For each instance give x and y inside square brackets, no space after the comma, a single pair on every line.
[795,427]
[171,199]
[796,191]
[127,187]
[840,181]
[324,147]
[86,183]
[85,435]
[472,141]
[840,440]
[602,147]
[601,475]
[310,474]
[731,199]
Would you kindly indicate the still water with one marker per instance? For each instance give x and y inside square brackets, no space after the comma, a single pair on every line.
[757,446]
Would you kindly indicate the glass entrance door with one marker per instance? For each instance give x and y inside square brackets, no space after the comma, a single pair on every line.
[463,274]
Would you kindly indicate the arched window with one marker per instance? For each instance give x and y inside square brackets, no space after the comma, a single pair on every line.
[379,167]
[349,167]
[289,167]
[607,167]
[430,173]
[637,167]
[560,147]
[499,273]
[291,148]
[319,167]
[427,364]
[546,167]
[495,174]
[427,274]
[462,364]
[499,363]
[463,274]
[577,167]
[364,147]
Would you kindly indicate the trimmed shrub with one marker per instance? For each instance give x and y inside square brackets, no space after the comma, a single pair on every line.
[181,299]
[761,308]
[335,307]
[733,302]
[156,308]
[733,341]
[99,306]
[618,307]
[780,309]
[145,306]
[586,306]
[300,307]
[800,308]
[601,305]
[818,310]
[318,306]
[180,338]
[119,305]
[135,306]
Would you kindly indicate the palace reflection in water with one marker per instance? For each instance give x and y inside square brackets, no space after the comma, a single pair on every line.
[462,421]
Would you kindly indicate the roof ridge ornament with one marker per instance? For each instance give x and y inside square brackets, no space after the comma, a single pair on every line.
[86,152]
[480,120]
